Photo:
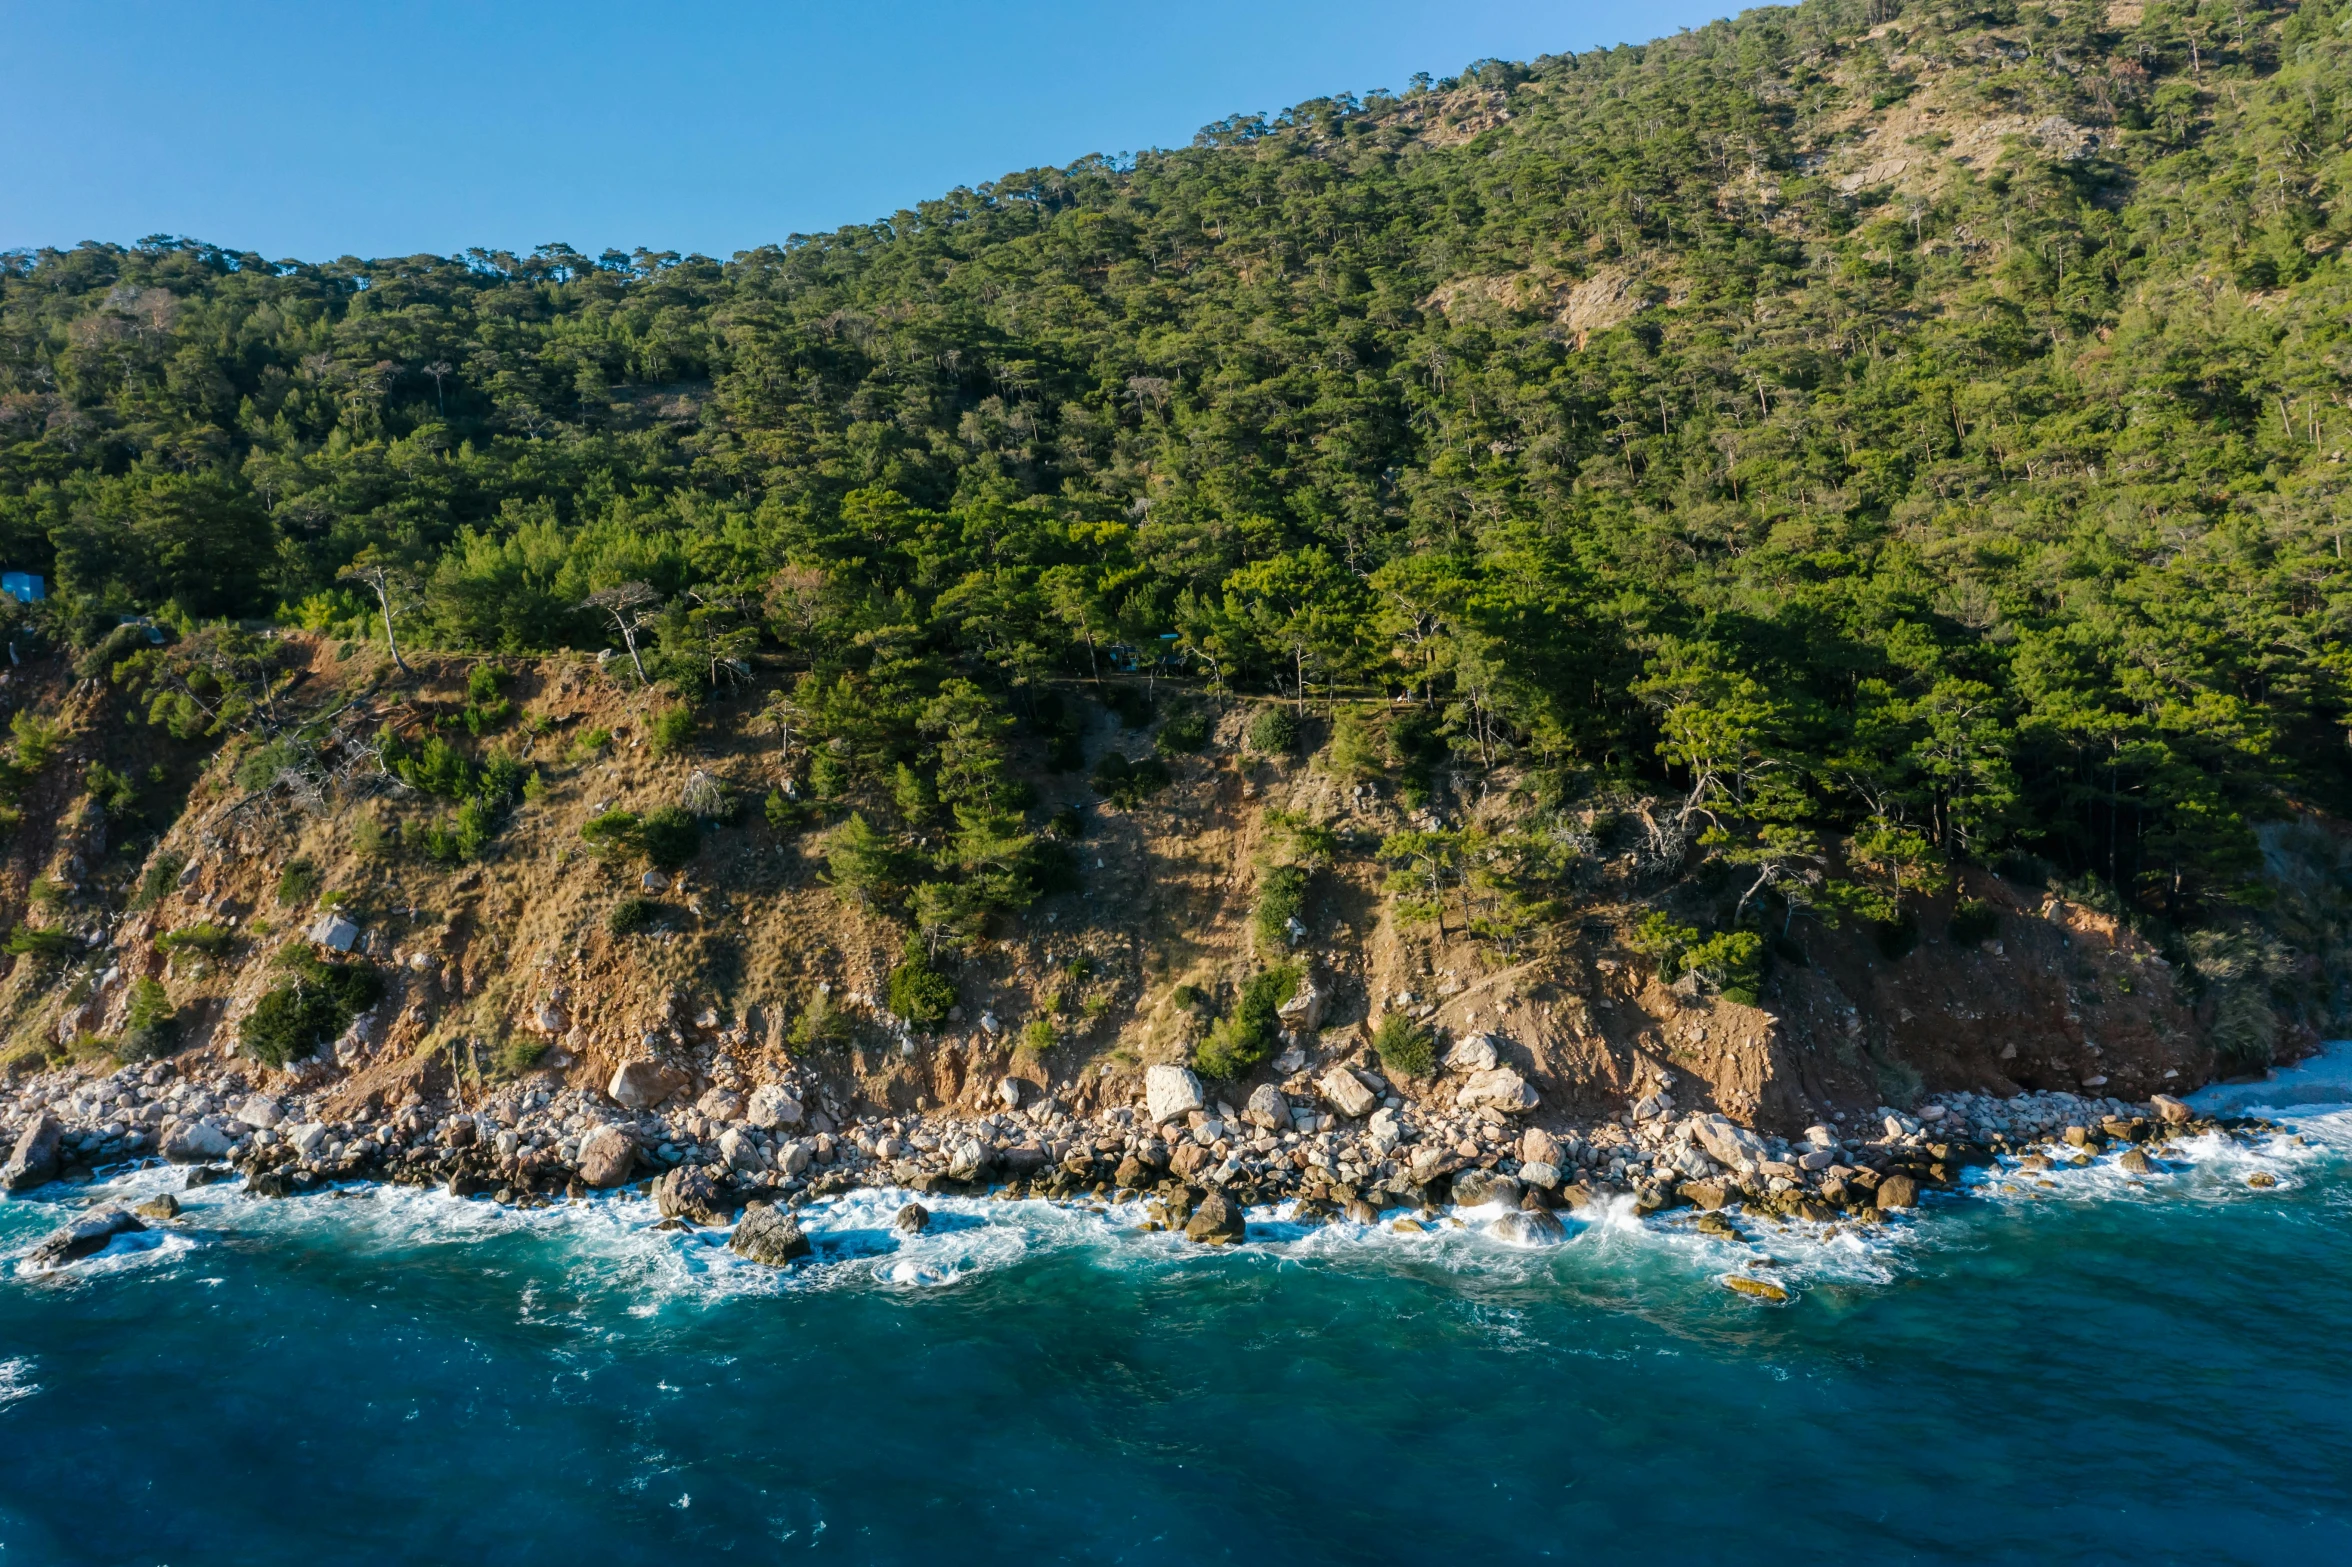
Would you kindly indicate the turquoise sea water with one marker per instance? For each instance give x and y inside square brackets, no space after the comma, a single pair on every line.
[2098,1372]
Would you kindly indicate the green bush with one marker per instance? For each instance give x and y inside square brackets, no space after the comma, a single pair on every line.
[1274,731]
[631,915]
[1039,1036]
[38,942]
[298,883]
[918,992]
[1243,1040]
[611,832]
[152,1026]
[1359,748]
[206,938]
[46,892]
[1974,921]
[670,730]
[1733,962]
[1405,1048]
[820,1024]
[1282,897]
[485,708]
[1185,732]
[669,836]
[158,880]
[297,1018]
[1128,784]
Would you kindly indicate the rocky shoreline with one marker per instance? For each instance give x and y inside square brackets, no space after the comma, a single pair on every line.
[1341,1144]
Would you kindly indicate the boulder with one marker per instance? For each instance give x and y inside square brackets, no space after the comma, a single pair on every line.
[966,1160]
[1189,1158]
[1729,1144]
[159,1208]
[1303,1012]
[741,1150]
[1539,1173]
[1008,1092]
[550,1017]
[1357,1211]
[688,1192]
[1501,1088]
[84,1236]
[270,1183]
[769,1234]
[1477,1188]
[1537,1146]
[1709,1195]
[1216,1222]
[334,932]
[1384,1131]
[2170,1110]
[260,1111]
[772,1105]
[307,1139]
[1528,1227]
[1171,1093]
[795,1156]
[720,1104]
[1347,1093]
[1133,1173]
[606,1156]
[913,1219]
[1268,1110]
[2137,1162]
[1473,1053]
[1431,1161]
[640,1085]
[1898,1191]
[34,1159]
[195,1142]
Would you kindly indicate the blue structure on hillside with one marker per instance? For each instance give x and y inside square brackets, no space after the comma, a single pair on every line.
[23,586]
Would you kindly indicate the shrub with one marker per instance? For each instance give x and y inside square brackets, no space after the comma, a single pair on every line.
[372,836]
[1974,921]
[1661,937]
[260,767]
[820,1024]
[295,1019]
[38,942]
[152,1027]
[611,832]
[298,883]
[1282,897]
[1359,749]
[158,880]
[1246,1038]
[1129,784]
[37,739]
[115,793]
[1067,824]
[1039,1036]
[1274,731]
[786,814]
[47,892]
[918,992]
[516,1054]
[1405,1048]
[590,743]
[671,728]
[1185,732]
[669,837]
[208,939]
[1733,962]
[485,708]
[631,915]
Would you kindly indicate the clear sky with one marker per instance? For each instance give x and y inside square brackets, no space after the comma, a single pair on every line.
[324,128]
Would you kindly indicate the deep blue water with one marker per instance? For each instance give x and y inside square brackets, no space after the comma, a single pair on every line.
[2093,1373]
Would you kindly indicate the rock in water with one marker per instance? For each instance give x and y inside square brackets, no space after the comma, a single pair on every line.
[194,1142]
[1528,1227]
[688,1192]
[606,1156]
[770,1235]
[1759,1289]
[1267,1109]
[1358,1211]
[34,1158]
[2137,1162]
[1898,1191]
[164,1207]
[81,1238]
[2171,1110]
[1477,1188]
[270,1183]
[640,1085]
[1502,1088]
[1216,1222]
[1347,1093]
[1171,1093]
[914,1219]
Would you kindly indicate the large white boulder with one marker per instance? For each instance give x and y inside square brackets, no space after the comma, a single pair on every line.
[1472,1053]
[1728,1144]
[1171,1093]
[606,1156]
[772,1105]
[261,1111]
[1501,1088]
[640,1085]
[1347,1093]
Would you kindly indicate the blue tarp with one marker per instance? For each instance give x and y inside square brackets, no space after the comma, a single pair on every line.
[23,586]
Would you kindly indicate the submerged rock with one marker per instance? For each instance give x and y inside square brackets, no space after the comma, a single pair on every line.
[1216,1222]
[83,1237]
[770,1235]
[1529,1227]
[164,1207]
[1477,1188]
[913,1219]
[1758,1289]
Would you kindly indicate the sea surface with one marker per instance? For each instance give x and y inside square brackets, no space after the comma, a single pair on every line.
[2099,1369]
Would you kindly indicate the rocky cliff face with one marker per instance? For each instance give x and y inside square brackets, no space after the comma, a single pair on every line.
[512,963]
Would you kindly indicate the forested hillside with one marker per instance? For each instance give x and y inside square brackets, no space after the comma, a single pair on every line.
[1900,434]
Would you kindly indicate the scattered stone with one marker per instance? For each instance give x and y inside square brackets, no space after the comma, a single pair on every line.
[913,1219]
[1537,1173]
[35,1157]
[606,1156]
[1303,1012]
[1347,1093]
[1726,1143]
[334,932]
[307,1139]
[720,1104]
[1501,1088]
[1216,1222]
[1008,1092]
[1472,1053]
[1268,1110]
[1171,1093]
[741,1150]
[772,1105]
[640,1085]
[769,1234]
[83,1237]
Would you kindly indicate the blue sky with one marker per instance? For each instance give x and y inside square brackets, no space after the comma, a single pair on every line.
[326,129]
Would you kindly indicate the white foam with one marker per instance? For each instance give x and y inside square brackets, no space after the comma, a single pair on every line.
[16,1381]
